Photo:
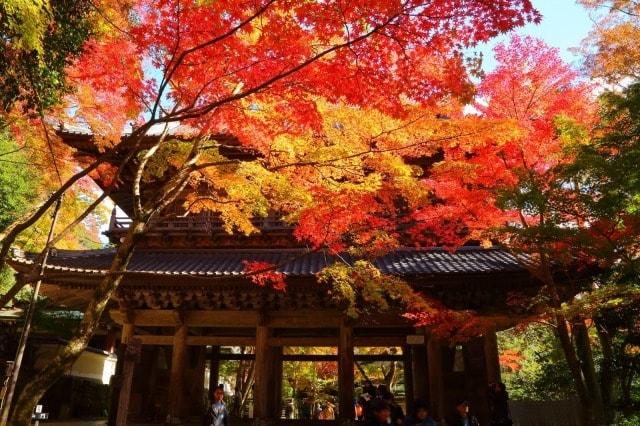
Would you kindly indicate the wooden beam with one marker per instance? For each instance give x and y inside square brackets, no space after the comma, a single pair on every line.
[345,373]
[177,377]
[148,339]
[303,341]
[221,341]
[168,318]
[310,358]
[230,318]
[381,341]
[164,340]
[304,319]
[369,341]
[276,319]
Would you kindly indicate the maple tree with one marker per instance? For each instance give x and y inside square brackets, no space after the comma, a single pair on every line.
[611,51]
[554,194]
[267,73]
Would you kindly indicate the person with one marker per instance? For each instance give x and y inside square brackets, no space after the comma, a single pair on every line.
[397,415]
[420,415]
[499,405]
[366,398]
[380,414]
[289,409]
[217,414]
[358,409]
[381,391]
[369,389]
[462,415]
[317,409]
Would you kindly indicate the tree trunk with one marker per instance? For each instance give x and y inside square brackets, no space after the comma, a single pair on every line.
[606,370]
[574,366]
[248,384]
[585,354]
[628,374]
[35,389]
[390,376]
[65,358]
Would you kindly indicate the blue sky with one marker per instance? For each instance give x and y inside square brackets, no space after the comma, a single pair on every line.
[564,25]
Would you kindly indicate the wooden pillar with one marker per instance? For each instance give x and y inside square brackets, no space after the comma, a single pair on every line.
[110,339]
[214,370]
[127,376]
[420,377]
[263,370]
[345,373]
[149,397]
[436,379]
[197,405]
[178,366]
[276,382]
[491,356]
[408,377]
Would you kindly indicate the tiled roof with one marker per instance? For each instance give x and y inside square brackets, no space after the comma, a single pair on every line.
[467,260]
[157,130]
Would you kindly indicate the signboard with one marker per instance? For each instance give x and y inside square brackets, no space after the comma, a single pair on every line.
[415,339]
[39,415]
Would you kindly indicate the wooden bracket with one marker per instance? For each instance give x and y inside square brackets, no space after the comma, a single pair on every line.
[179,316]
[128,314]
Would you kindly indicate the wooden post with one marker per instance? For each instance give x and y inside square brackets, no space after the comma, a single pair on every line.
[408,377]
[110,339]
[276,381]
[436,380]
[178,364]
[491,356]
[263,370]
[127,376]
[345,373]
[419,362]
[214,370]
[149,402]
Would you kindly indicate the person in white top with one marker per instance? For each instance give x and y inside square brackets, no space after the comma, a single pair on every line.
[217,414]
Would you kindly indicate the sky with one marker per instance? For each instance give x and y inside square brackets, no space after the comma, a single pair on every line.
[564,25]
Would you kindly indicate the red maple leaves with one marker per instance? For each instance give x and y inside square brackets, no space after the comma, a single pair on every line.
[265,274]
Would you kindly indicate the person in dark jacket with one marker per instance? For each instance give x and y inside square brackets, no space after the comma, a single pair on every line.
[462,416]
[420,415]
[366,398]
[397,415]
[381,414]
[499,405]
[369,389]
[217,414]
[381,391]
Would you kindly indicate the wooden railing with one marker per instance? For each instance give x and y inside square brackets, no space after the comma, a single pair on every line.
[202,222]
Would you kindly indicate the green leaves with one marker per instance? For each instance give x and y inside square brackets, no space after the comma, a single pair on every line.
[17,182]
[40,39]
[363,285]
[28,20]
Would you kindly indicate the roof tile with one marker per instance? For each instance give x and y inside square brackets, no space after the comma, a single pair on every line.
[435,261]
